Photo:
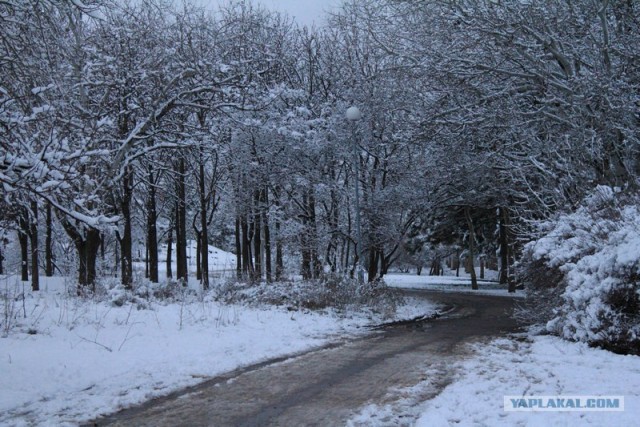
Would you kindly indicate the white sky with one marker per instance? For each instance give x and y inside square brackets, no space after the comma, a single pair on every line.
[305,12]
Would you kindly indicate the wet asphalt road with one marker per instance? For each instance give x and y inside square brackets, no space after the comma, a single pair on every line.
[324,387]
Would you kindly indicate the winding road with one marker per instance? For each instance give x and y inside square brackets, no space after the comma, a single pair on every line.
[324,387]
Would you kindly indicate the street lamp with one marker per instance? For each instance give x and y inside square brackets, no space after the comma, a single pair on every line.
[353,114]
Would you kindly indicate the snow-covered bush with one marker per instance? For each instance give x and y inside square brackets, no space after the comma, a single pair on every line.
[143,292]
[591,260]
[544,286]
[332,291]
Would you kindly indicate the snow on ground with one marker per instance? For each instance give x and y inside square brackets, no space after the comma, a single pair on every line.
[219,260]
[70,359]
[448,284]
[546,366]
[542,366]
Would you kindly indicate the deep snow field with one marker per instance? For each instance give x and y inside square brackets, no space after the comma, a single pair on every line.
[65,360]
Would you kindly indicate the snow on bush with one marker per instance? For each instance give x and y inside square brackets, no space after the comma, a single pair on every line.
[595,252]
[332,291]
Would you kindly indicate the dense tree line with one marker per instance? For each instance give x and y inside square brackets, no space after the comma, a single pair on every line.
[134,125]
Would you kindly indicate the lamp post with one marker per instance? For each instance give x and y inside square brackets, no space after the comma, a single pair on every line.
[353,114]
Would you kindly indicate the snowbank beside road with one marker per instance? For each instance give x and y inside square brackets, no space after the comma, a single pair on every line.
[547,366]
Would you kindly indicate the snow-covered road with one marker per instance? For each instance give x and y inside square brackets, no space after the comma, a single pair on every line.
[326,387]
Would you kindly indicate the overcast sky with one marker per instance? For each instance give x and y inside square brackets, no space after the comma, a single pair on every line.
[306,12]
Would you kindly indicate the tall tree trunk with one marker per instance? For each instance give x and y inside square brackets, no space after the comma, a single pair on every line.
[311,266]
[250,235]
[387,260]
[334,219]
[279,254]
[267,235]
[204,236]
[204,233]
[198,255]
[152,231]
[472,238]
[279,270]
[179,259]
[315,256]
[87,249]
[503,276]
[238,250]
[305,250]
[126,241]
[91,255]
[87,243]
[247,263]
[1,258]
[305,240]
[23,239]
[48,243]
[306,263]
[257,238]
[33,234]
[347,246]
[146,257]
[372,268]
[182,272]
[504,250]
[116,252]
[169,261]
[435,267]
